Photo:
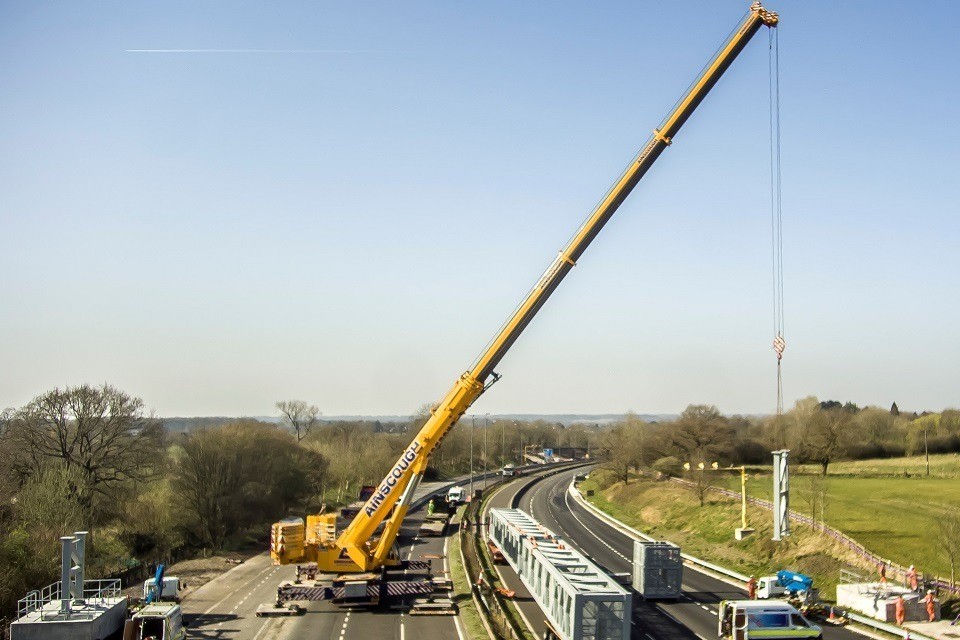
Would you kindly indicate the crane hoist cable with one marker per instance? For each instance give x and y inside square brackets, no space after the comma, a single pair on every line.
[776,209]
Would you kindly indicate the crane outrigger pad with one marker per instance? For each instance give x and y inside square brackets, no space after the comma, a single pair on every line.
[274,611]
[433,607]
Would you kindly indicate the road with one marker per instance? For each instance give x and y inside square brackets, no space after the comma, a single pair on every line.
[225,608]
[693,616]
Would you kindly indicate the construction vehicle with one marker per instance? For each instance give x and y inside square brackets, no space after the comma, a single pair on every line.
[745,619]
[795,586]
[358,554]
[156,621]
[171,589]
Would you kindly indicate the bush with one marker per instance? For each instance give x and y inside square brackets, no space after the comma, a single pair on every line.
[751,452]
[668,466]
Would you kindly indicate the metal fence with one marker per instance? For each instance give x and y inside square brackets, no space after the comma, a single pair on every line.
[95,592]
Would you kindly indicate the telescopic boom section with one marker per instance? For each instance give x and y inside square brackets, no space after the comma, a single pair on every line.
[397,488]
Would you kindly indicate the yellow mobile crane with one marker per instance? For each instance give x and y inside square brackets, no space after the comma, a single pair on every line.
[357,549]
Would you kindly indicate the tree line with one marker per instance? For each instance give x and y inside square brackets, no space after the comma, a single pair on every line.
[815,432]
[93,458]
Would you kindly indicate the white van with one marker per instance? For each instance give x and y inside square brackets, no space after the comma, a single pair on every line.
[456,495]
[745,619]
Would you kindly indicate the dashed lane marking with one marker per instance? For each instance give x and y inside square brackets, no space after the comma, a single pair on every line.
[343,629]
[262,628]
[229,595]
[566,499]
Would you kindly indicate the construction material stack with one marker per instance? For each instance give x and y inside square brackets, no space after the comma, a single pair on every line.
[579,600]
[657,570]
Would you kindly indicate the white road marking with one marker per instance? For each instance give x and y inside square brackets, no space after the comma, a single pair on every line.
[227,597]
[262,628]
[566,499]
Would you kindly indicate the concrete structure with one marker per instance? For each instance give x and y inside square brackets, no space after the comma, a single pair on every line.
[74,608]
[657,570]
[577,597]
[781,495]
[99,613]
[878,601]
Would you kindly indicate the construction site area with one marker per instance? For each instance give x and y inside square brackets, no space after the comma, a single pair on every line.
[341,202]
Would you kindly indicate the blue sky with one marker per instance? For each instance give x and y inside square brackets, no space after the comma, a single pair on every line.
[349,224]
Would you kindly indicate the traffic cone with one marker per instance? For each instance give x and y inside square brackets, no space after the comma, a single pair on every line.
[832,618]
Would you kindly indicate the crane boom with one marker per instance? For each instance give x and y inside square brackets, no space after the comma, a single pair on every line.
[352,550]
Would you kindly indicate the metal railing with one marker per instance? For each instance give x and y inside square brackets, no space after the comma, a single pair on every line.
[95,594]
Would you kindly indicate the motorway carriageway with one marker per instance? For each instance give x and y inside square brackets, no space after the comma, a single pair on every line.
[225,608]
[693,616]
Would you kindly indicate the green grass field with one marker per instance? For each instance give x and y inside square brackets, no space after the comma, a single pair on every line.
[941,466]
[873,501]
[886,505]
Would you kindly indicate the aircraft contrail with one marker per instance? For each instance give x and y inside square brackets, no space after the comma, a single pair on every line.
[250,51]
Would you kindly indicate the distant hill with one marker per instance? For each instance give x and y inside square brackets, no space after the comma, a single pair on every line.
[186,425]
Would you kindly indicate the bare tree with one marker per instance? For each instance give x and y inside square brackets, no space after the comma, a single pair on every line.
[240,475]
[822,436]
[700,434]
[299,416]
[99,430]
[701,481]
[813,490]
[623,444]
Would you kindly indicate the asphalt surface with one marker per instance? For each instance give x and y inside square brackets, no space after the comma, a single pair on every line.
[693,616]
[225,608]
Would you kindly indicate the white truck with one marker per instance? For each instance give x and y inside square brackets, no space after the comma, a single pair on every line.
[771,619]
[172,588]
[157,621]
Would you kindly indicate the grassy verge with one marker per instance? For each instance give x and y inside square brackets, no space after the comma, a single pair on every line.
[462,595]
[669,511]
[888,506]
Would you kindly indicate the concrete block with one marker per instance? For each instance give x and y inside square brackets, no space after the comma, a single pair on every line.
[86,621]
[879,601]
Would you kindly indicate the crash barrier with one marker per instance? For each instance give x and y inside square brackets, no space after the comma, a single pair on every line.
[498,616]
[493,609]
[578,598]
[630,531]
[894,569]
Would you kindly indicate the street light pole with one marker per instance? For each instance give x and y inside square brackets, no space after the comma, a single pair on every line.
[484,455]
[503,443]
[473,425]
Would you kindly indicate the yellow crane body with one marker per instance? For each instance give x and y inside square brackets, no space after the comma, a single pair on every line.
[357,548]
